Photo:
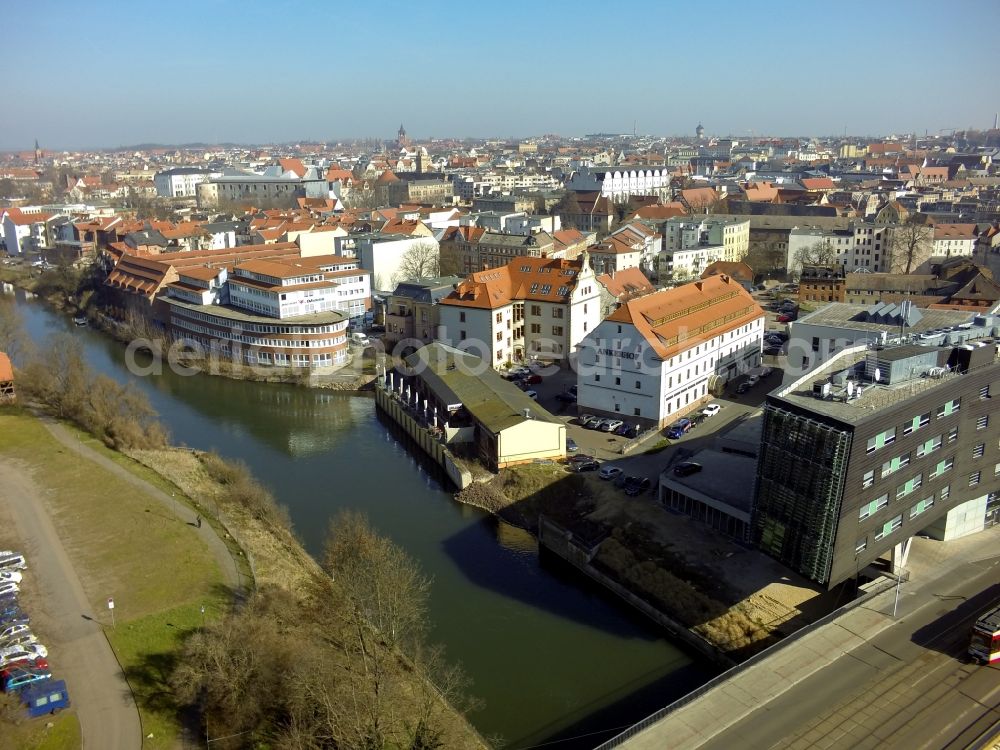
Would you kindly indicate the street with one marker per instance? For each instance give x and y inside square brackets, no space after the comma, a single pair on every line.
[907,687]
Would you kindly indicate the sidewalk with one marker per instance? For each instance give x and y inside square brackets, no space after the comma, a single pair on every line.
[723,706]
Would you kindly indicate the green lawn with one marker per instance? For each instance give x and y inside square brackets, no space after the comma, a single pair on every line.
[125,545]
[35,734]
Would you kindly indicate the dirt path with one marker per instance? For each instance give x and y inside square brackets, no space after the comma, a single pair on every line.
[80,653]
[218,548]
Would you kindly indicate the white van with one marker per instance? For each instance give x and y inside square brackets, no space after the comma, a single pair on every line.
[360,339]
[12,562]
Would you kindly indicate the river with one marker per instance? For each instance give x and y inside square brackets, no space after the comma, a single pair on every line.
[554,658]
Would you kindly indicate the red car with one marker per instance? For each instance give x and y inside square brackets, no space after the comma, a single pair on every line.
[38,663]
[786,318]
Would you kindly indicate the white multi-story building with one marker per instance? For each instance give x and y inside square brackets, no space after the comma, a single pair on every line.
[688,263]
[24,230]
[530,308]
[621,182]
[657,356]
[181,182]
[384,256]
[954,239]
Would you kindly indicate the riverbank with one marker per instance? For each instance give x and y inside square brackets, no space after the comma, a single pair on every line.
[731,602]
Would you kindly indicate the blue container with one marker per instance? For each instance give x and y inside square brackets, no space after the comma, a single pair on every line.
[45,698]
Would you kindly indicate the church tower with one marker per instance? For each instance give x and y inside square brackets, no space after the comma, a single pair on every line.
[699,131]
[401,138]
[38,153]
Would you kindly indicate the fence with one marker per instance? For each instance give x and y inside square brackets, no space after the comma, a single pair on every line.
[640,726]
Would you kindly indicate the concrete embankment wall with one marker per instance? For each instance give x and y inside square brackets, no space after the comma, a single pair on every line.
[430,445]
[560,541]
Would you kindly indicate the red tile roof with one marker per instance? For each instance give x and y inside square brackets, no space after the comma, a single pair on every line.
[6,370]
[674,320]
[536,279]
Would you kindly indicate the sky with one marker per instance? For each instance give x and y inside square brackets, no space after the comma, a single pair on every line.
[101,74]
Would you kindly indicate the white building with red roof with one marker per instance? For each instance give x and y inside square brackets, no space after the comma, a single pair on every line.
[659,355]
[530,308]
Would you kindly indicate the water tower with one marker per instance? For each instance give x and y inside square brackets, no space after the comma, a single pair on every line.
[699,131]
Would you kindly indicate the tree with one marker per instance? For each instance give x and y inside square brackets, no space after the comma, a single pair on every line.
[624,209]
[819,253]
[766,258]
[908,245]
[362,196]
[421,261]
[12,337]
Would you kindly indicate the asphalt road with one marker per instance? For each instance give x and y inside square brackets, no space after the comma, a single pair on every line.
[78,650]
[907,687]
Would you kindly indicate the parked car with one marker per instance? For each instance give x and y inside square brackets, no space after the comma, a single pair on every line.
[9,588]
[582,466]
[772,351]
[571,446]
[743,387]
[37,663]
[45,697]
[572,389]
[585,419]
[679,428]
[609,472]
[580,458]
[711,410]
[14,679]
[752,380]
[786,318]
[12,561]
[531,394]
[515,373]
[566,397]
[533,379]
[11,630]
[10,575]
[636,485]
[610,425]
[686,468]
[23,639]
[17,653]
[629,430]
[594,423]
[765,371]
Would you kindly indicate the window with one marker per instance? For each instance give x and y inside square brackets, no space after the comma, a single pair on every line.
[889,527]
[984,392]
[546,288]
[618,381]
[922,506]
[860,545]
[911,486]
[974,478]
[873,507]
[536,327]
[941,468]
[882,439]
[982,422]
[637,412]
[979,450]
[952,434]
[597,378]
[929,447]
[949,408]
[638,384]
[891,467]
[868,479]
[499,335]
[461,335]
[499,317]
[557,330]
[536,310]
[916,423]
[945,492]
[557,312]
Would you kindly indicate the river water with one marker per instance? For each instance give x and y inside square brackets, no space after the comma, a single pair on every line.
[554,658]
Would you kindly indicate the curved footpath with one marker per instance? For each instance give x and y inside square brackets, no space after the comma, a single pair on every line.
[99,693]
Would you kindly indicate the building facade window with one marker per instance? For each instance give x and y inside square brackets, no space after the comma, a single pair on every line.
[983,422]
[868,479]
[974,478]
[929,447]
[949,408]
[860,545]
[894,465]
[917,422]
[941,468]
[979,450]
[873,507]
[911,486]
[922,506]
[889,527]
[882,439]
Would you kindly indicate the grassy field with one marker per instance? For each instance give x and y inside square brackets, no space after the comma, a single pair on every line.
[124,545]
[35,734]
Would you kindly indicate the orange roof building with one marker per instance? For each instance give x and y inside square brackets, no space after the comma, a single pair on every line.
[530,308]
[661,355]
[6,378]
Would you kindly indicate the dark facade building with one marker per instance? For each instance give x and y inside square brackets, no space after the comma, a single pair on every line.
[873,447]
[821,284]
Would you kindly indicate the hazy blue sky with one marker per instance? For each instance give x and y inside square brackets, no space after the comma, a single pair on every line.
[101,73]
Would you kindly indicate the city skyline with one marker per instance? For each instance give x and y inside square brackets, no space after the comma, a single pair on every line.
[218,72]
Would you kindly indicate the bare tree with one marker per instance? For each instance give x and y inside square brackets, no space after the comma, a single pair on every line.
[568,209]
[908,245]
[12,337]
[820,253]
[421,261]
[362,196]
[766,258]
